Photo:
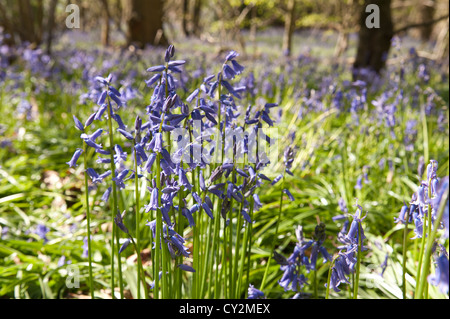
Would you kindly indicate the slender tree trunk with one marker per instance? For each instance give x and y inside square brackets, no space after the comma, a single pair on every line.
[105,23]
[185,18]
[38,20]
[341,44]
[427,11]
[196,17]
[7,25]
[144,22]
[27,32]
[374,43]
[51,24]
[289,24]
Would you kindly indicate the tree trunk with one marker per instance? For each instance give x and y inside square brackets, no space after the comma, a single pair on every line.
[27,32]
[105,24]
[341,44]
[51,24]
[289,24]
[144,22]
[7,24]
[374,43]
[185,18]
[427,11]
[196,17]
[441,48]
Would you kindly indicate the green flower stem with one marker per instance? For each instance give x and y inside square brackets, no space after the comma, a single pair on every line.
[196,239]
[231,281]
[119,264]
[206,257]
[242,262]
[142,273]
[159,256]
[88,219]
[405,239]
[426,227]
[114,208]
[327,293]
[236,251]
[138,225]
[266,272]
[180,228]
[315,280]
[250,241]
[158,231]
[165,259]
[358,262]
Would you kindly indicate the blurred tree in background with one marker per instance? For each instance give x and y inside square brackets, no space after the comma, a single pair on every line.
[230,23]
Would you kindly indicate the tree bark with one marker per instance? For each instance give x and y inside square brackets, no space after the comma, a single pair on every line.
[7,24]
[144,22]
[289,24]
[185,17]
[196,17]
[27,33]
[50,25]
[105,24]
[374,43]
[427,11]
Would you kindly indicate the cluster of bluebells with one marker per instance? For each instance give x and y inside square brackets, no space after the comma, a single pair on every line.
[293,279]
[349,237]
[167,113]
[425,203]
[154,148]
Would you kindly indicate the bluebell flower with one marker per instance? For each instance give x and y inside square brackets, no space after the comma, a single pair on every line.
[116,117]
[93,136]
[127,135]
[148,165]
[342,205]
[384,265]
[358,183]
[85,253]
[402,214]
[92,144]
[41,231]
[277,179]
[153,79]
[62,261]
[76,155]
[207,209]
[100,111]
[441,277]
[156,143]
[170,52]
[179,245]
[78,124]
[102,98]
[119,222]
[124,245]
[120,155]
[254,293]
[93,175]
[153,205]
[188,214]
[106,194]
[90,119]
[288,193]
[186,268]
